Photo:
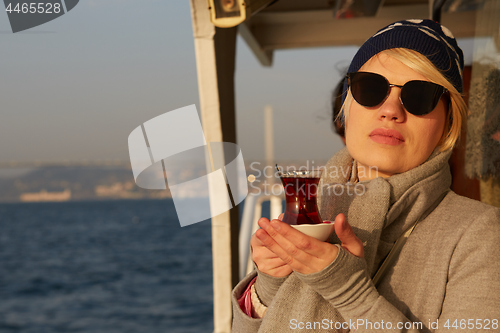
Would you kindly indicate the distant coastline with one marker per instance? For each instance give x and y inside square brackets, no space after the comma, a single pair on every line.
[45,196]
[66,182]
[60,183]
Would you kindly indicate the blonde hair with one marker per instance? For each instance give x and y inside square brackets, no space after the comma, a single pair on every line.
[457,110]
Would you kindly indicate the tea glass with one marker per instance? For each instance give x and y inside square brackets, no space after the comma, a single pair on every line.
[301,189]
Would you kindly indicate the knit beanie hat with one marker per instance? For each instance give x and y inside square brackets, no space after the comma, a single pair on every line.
[426,37]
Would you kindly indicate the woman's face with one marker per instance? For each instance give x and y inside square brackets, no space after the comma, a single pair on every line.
[387,136]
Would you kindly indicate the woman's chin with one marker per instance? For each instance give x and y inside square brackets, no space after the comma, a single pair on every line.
[370,168]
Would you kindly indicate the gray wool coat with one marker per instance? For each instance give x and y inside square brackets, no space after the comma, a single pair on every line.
[445,279]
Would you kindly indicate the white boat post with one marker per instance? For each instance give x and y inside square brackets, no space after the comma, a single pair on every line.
[215,61]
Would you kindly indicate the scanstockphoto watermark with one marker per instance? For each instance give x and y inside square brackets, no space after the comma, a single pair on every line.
[26,14]
[265,180]
[353,325]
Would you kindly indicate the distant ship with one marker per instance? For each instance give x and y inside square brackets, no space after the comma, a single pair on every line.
[43,195]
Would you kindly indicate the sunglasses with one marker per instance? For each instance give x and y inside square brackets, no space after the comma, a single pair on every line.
[418,97]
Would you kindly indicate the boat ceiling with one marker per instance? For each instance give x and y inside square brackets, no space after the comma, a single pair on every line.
[291,24]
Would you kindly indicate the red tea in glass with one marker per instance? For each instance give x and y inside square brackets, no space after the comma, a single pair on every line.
[301,188]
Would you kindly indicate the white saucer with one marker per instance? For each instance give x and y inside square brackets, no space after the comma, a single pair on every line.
[319,231]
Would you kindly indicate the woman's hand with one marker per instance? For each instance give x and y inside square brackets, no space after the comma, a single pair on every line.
[299,252]
[266,261]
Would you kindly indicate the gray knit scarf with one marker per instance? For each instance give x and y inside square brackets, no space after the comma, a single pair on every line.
[381,209]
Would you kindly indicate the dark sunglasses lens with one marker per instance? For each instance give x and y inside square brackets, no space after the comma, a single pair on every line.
[368,89]
[421,97]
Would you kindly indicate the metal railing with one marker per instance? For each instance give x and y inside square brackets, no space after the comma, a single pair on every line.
[252,212]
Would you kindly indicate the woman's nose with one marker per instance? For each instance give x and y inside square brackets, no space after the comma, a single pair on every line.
[392,108]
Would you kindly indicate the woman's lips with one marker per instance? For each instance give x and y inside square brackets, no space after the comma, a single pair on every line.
[387,136]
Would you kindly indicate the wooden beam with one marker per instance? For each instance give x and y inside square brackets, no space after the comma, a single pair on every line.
[265,57]
[286,30]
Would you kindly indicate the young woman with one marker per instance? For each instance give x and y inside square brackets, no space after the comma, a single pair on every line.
[403,112]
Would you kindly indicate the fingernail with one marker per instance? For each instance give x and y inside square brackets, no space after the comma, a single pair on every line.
[275,225]
[262,222]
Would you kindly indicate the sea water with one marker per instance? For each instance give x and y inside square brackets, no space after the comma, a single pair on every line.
[103,267]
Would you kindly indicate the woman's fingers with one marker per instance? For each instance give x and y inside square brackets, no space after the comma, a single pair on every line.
[274,266]
[286,237]
[349,240]
[266,260]
[287,246]
[279,244]
[302,253]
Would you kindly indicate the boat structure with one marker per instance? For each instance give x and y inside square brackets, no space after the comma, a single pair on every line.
[270,25]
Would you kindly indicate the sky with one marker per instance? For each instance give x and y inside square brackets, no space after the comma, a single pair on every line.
[73,89]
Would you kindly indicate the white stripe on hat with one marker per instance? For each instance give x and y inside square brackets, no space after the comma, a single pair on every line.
[428,33]
[459,69]
[382,31]
[447,32]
